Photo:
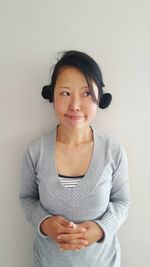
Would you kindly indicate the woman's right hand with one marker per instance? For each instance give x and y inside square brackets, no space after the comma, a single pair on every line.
[55,226]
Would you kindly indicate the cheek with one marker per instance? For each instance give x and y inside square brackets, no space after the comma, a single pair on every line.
[59,106]
[92,110]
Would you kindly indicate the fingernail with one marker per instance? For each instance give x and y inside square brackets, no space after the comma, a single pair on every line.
[73,225]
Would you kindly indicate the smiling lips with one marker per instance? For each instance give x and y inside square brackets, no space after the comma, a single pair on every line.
[74,117]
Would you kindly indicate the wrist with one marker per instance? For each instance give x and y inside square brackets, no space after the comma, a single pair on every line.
[43,226]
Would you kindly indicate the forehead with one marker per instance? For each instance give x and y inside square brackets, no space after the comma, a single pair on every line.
[70,75]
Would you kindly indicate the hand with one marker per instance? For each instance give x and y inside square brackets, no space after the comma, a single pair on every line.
[93,234]
[56,226]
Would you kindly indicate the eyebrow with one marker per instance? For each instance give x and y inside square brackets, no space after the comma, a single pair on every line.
[66,87]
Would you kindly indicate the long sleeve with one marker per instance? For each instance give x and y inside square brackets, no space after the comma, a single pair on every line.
[29,194]
[117,210]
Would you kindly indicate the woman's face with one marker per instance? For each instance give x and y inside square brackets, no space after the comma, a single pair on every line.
[73,103]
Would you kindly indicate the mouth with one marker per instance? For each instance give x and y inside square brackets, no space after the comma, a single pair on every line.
[74,117]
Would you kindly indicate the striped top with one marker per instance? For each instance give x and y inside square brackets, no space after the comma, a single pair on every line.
[70,181]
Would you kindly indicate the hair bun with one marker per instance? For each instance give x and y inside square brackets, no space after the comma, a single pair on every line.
[105,100]
[46,92]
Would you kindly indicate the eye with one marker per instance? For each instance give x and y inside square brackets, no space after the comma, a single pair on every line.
[87,93]
[64,93]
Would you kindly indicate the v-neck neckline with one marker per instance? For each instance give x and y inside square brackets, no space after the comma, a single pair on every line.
[86,174]
[91,177]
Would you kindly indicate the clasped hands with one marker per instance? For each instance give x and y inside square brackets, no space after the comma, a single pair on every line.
[70,236]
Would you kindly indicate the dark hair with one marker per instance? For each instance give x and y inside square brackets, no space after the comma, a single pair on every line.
[90,70]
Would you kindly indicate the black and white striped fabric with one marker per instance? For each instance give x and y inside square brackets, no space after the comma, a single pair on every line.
[70,181]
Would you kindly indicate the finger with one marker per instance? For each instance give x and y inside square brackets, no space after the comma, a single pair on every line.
[66,223]
[74,230]
[82,225]
[63,221]
[73,225]
[68,237]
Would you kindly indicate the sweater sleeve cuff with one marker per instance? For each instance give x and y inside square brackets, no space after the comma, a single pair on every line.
[39,229]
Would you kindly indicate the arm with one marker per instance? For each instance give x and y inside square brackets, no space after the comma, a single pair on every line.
[29,194]
[117,210]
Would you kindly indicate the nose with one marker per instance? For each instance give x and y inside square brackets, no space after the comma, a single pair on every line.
[75,103]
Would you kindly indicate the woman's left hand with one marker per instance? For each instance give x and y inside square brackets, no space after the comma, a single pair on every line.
[93,234]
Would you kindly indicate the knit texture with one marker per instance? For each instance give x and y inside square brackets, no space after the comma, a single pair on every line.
[102,195]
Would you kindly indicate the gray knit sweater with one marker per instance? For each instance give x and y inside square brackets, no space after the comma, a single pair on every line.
[102,195]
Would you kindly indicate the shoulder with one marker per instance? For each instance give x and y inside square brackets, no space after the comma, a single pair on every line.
[111,142]
[114,150]
[35,147]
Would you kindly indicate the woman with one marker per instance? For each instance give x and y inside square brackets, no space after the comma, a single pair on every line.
[74,186]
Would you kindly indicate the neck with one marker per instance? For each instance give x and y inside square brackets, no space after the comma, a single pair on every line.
[74,137]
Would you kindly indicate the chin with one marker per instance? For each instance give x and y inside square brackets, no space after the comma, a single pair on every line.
[75,125]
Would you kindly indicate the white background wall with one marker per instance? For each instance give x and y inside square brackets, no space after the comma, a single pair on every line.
[116,33]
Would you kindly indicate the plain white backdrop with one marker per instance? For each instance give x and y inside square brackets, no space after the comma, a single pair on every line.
[116,33]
